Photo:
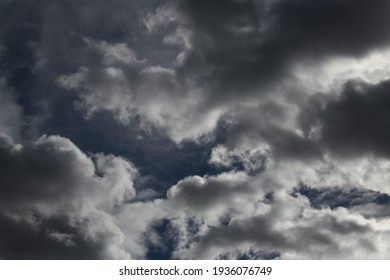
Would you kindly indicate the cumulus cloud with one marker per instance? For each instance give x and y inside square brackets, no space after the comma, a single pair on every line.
[259,129]
[132,88]
[52,181]
[269,213]
[228,55]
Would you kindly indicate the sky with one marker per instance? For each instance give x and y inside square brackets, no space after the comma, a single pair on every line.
[194,129]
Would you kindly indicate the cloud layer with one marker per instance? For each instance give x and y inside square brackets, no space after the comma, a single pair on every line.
[194,129]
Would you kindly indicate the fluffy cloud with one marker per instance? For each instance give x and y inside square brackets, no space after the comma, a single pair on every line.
[129,87]
[64,196]
[77,204]
[265,213]
[229,55]
[278,111]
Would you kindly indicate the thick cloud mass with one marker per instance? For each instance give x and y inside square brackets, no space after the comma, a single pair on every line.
[358,122]
[64,198]
[194,129]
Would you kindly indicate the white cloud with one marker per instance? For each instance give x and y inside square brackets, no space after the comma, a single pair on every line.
[227,213]
[163,15]
[212,215]
[129,87]
[330,75]
[252,160]
[115,53]
[135,220]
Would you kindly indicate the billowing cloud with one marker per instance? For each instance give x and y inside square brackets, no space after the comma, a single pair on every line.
[63,196]
[194,129]
[132,88]
[266,213]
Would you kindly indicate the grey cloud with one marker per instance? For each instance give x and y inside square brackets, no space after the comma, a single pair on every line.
[277,33]
[197,193]
[341,197]
[229,51]
[26,169]
[249,255]
[322,236]
[332,27]
[190,83]
[110,49]
[22,240]
[357,123]
[10,115]
[134,88]
[268,124]
[41,41]
[231,220]
[246,231]
[231,48]
[55,181]
[365,202]
[252,161]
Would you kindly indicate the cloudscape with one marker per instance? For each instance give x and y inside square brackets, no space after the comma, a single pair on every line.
[194,129]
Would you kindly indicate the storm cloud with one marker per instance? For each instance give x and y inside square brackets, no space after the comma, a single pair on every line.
[358,122]
[235,129]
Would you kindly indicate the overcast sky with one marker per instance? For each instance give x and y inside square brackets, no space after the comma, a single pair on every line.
[194,129]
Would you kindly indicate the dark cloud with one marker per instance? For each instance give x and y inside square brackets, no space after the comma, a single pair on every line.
[46,239]
[341,197]
[332,27]
[282,142]
[40,172]
[70,196]
[40,41]
[10,115]
[250,255]
[209,101]
[240,45]
[142,147]
[44,41]
[225,39]
[357,123]
[161,240]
